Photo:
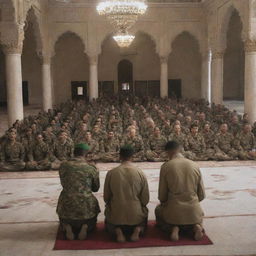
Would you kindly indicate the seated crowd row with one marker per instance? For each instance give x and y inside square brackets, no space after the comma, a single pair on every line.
[42,142]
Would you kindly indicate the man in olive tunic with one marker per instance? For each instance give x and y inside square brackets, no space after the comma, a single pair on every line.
[77,207]
[126,196]
[180,191]
[12,154]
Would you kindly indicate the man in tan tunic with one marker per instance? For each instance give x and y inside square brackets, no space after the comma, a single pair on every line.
[126,196]
[180,191]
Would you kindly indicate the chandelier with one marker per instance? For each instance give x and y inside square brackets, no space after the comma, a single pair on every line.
[122,15]
[123,39]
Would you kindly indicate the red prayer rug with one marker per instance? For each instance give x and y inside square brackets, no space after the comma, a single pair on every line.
[101,240]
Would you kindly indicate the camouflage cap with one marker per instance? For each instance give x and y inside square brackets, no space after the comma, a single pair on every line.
[83,146]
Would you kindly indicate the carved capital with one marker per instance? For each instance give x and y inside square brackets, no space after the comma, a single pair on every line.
[164,59]
[12,38]
[217,55]
[44,58]
[250,45]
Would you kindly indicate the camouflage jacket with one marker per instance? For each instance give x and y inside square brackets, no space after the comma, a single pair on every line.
[12,152]
[38,152]
[79,180]
[136,143]
[224,142]
[156,144]
[246,141]
[108,145]
[195,143]
[63,151]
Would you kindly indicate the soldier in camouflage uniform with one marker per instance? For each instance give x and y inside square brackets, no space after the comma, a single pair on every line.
[49,137]
[93,153]
[209,139]
[12,154]
[27,141]
[155,147]
[137,143]
[77,207]
[62,150]
[245,142]
[38,156]
[235,126]
[195,144]
[109,148]
[224,144]
[80,133]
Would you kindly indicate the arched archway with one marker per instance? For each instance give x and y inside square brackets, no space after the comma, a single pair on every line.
[142,54]
[233,78]
[70,68]
[31,65]
[184,67]
[125,76]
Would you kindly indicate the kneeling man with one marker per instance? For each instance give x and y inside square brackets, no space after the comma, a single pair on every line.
[77,207]
[180,191]
[126,196]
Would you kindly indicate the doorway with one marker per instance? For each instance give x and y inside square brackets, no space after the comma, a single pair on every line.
[79,90]
[174,88]
[25,93]
[125,77]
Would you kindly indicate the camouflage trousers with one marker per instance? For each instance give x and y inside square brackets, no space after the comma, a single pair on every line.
[12,166]
[156,156]
[225,155]
[77,224]
[38,165]
[109,157]
[55,165]
[139,157]
[166,227]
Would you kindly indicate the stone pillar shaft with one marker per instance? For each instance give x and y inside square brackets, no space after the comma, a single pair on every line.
[14,86]
[164,77]
[250,80]
[217,78]
[206,79]
[93,80]
[46,84]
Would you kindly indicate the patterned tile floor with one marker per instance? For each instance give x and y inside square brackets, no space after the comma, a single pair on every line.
[28,221]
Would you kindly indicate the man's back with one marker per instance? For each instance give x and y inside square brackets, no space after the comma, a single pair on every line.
[126,195]
[78,180]
[180,190]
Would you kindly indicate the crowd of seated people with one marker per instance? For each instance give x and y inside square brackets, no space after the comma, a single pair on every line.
[205,132]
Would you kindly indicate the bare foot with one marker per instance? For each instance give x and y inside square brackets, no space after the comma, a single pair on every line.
[69,232]
[174,236]
[83,232]
[198,235]
[119,235]
[136,234]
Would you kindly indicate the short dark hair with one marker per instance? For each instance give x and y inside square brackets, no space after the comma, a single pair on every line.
[80,152]
[172,145]
[126,151]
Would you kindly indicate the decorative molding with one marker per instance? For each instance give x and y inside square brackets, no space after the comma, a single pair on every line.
[164,59]
[217,55]
[12,38]
[250,45]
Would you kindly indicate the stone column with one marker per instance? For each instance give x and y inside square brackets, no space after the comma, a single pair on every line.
[164,77]
[46,83]
[206,77]
[14,83]
[93,81]
[250,80]
[217,77]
